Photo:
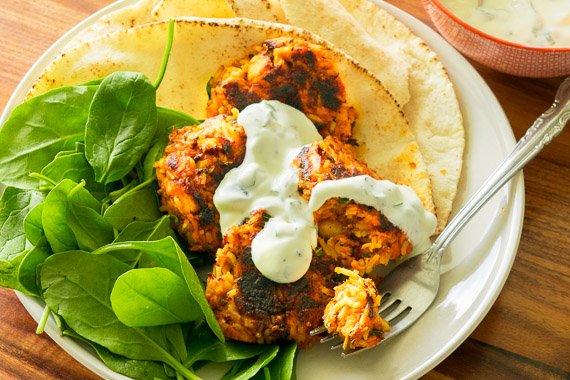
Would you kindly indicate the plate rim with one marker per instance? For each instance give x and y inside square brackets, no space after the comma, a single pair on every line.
[515,189]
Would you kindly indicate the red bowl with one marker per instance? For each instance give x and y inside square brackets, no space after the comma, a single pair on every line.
[498,54]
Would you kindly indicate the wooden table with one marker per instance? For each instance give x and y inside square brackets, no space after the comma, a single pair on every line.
[526,335]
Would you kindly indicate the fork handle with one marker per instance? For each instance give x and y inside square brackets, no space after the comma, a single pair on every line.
[543,130]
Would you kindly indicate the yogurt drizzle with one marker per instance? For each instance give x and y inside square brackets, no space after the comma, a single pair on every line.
[266,179]
[276,132]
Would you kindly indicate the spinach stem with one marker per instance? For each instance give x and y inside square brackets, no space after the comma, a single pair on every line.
[43,320]
[114,195]
[166,54]
[44,178]
[266,373]
[137,187]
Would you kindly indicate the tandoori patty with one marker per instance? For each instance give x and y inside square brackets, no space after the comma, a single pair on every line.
[293,71]
[359,236]
[252,308]
[193,165]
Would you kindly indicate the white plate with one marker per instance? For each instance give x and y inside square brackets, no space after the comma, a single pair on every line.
[474,268]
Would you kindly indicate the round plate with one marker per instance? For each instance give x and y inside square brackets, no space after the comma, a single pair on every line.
[475,267]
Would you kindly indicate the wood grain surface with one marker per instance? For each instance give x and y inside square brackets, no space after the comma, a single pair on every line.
[526,334]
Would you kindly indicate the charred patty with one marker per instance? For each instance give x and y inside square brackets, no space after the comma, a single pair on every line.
[293,71]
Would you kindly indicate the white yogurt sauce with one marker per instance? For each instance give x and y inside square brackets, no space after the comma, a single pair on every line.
[400,204]
[543,23]
[266,179]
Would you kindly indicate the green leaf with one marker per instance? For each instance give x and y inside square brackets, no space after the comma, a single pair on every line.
[163,252]
[54,218]
[82,299]
[283,366]
[28,269]
[169,119]
[15,204]
[138,204]
[204,345]
[33,224]
[135,369]
[122,122]
[251,367]
[84,218]
[197,291]
[142,231]
[167,254]
[153,297]
[74,166]
[40,128]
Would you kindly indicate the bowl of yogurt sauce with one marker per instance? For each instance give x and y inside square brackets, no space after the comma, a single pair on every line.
[529,38]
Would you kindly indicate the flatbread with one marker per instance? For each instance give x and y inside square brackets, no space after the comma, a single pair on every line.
[124,18]
[147,11]
[263,10]
[433,112]
[381,128]
[328,19]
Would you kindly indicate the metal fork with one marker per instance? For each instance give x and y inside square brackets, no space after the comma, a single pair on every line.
[409,290]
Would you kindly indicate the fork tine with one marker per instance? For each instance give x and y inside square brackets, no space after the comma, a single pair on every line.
[318,330]
[354,351]
[388,305]
[328,338]
[402,307]
[338,345]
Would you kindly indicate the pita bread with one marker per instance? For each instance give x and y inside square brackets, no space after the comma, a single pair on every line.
[381,128]
[322,18]
[147,11]
[263,10]
[433,112]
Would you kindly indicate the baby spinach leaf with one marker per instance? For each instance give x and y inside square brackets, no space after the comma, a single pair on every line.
[84,218]
[176,343]
[252,366]
[54,218]
[142,231]
[153,297]
[147,231]
[204,345]
[138,204]
[33,224]
[121,124]
[28,269]
[162,251]
[197,291]
[38,129]
[73,166]
[15,204]
[135,369]
[82,299]
[283,366]
[169,118]
[168,254]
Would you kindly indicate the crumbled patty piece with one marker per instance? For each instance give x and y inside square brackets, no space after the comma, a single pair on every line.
[193,165]
[359,236]
[353,312]
[293,71]
[252,308]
